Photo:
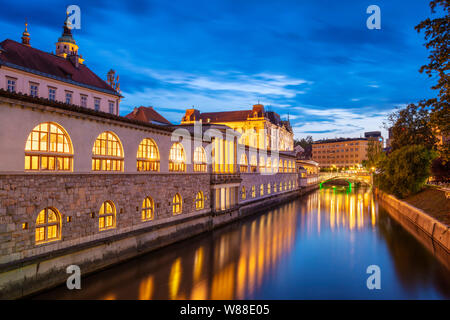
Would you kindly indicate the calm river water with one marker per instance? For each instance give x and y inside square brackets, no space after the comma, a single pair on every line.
[316,247]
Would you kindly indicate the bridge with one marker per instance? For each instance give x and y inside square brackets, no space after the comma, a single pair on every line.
[349,177]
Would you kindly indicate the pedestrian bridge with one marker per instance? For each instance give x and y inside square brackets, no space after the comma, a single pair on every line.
[349,177]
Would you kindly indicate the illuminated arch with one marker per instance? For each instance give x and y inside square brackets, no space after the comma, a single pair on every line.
[48,226]
[147,155]
[48,147]
[148,209]
[243,163]
[199,201]
[177,204]
[107,216]
[177,158]
[107,153]
[200,160]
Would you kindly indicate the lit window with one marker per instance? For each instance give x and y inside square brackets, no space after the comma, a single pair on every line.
[253,191]
[269,165]
[48,147]
[107,153]
[107,216]
[275,165]
[97,104]
[48,226]
[261,190]
[111,107]
[285,186]
[269,190]
[274,187]
[68,97]
[177,204]
[243,164]
[281,166]
[199,159]
[290,185]
[262,164]
[148,209]
[51,94]
[285,166]
[253,163]
[243,193]
[33,90]
[11,85]
[281,186]
[83,100]
[147,156]
[177,158]
[199,201]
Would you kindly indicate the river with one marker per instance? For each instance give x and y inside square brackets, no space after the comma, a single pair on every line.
[315,247]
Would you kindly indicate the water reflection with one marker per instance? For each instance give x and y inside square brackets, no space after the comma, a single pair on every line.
[314,247]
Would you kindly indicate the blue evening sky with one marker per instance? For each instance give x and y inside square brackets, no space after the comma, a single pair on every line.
[313,60]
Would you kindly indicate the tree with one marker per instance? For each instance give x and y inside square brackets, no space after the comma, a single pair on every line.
[437,35]
[405,171]
[306,144]
[375,155]
[410,126]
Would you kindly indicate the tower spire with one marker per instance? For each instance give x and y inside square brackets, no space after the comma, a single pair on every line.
[26,35]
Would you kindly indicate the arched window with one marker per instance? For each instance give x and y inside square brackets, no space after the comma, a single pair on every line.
[253,191]
[262,164]
[281,186]
[274,187]
[285,186]
[107,216]
[199,201]
[177,158]
[147,156]
[290,185]
[243,193]
[177,204]
[199,159]
[285,166]
[275,165]
[243,164]
[261,190]
[107,153]
[269,165]
[253,163]
[281,166]
[148,209]
[48,147]
[48,226]
[269,190]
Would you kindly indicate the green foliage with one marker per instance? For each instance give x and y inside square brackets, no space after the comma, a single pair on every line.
[306,144]
[411,126]
[375,155]
[437,35]
[405,171]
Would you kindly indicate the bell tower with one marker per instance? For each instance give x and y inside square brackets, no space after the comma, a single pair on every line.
[66,45]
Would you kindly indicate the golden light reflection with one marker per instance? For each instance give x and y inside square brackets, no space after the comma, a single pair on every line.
[146,289]
[198,263]
[175,278]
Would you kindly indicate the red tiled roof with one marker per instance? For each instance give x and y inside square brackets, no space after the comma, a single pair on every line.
[147,114]
[226,116]
[15,54]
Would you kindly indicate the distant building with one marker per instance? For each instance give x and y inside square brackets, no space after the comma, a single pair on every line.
[344,152]
[61,77]
[148,114]
[259,128]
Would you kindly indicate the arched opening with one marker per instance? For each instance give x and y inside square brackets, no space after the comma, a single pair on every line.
[48,226]
[48,147]
[199,159]
[243,163]
[177,204]
[107,153]
[199,201]
[177,158]
[107,216]
[147,156]
[148,209]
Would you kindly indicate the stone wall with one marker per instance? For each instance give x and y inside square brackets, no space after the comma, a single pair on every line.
[80,197]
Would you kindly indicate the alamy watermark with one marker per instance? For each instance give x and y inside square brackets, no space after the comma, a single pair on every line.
[73,17]
[74,280]
[374,280]
[374,20]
